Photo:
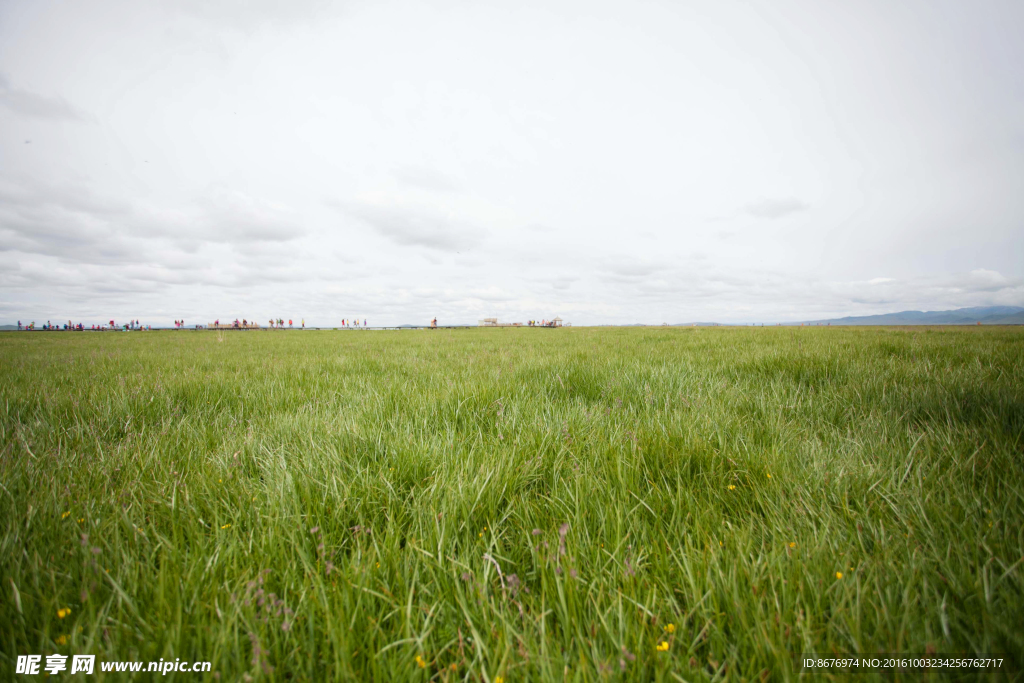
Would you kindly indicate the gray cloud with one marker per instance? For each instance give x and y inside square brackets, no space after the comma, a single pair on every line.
[775,208]
[77,225]
[34,105]
[235,217]
[417,226]
[70,225]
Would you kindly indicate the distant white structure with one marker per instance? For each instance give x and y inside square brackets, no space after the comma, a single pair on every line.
[493,322]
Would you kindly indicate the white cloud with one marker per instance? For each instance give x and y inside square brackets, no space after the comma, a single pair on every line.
[425,178]
[775,208]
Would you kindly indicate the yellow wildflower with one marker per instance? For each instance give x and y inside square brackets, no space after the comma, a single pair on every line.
[81,519]
[63,612]
[225,526]
[732,487]
[793,544]
[420,663]
[839,575]
[662,646]
[670,628]
[499,679]
[769,476]
[61,640]
[65,515]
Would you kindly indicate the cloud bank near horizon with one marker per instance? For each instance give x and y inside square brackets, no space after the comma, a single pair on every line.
[397,161]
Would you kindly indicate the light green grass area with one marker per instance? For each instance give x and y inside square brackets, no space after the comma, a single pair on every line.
[529,504]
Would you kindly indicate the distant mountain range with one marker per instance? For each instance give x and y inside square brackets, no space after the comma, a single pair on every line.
[986,315]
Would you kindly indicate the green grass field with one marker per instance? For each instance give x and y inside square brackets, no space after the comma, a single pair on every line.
[532,504]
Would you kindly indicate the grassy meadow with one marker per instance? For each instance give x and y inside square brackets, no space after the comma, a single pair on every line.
[492,505]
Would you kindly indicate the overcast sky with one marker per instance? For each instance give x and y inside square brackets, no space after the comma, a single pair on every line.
[607,162]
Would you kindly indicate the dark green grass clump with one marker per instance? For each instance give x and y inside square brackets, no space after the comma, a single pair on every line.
[572,504]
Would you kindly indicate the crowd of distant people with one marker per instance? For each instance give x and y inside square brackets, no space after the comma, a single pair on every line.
[246,324]
[78,327]
[275,323]
[280,323]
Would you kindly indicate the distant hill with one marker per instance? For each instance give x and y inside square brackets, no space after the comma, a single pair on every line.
[986,315]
